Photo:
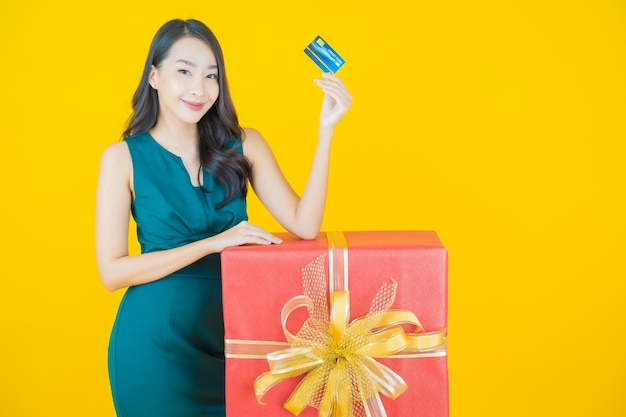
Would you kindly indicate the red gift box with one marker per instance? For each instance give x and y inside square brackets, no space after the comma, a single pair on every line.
[257,281]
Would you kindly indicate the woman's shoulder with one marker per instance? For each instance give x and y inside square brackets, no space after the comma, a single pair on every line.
[249,131]
[255,148]
[252,138]
[116,154]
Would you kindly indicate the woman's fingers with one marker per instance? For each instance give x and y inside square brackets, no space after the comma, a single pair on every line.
[244,233]
[258,234]
[333,84]
[337,99]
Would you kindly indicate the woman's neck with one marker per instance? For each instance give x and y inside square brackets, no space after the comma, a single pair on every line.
[180,140]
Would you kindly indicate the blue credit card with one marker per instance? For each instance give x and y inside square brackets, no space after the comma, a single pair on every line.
[324,56]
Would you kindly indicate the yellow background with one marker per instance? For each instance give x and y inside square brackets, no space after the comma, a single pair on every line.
[499,124]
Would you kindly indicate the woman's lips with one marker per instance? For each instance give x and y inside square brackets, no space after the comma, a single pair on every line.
[193,106]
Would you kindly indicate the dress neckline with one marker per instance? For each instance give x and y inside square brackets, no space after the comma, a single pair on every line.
[180,160]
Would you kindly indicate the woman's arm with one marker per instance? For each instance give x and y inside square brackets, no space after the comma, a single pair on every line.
[116,268]
[301,216]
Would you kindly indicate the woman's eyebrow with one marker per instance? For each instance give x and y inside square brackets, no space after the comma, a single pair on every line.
[191,64]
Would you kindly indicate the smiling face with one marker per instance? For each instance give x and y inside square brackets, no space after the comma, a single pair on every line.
[186,82]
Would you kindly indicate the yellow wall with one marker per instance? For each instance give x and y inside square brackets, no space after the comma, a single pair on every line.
[499,124]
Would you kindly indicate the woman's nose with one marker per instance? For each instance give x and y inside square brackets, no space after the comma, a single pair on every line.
[197,88]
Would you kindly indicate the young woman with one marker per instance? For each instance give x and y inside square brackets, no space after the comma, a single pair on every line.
[182,171]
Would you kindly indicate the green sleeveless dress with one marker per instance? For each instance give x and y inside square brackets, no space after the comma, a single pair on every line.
[166,352]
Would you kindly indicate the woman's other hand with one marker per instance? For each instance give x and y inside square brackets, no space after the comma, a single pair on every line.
[337,100]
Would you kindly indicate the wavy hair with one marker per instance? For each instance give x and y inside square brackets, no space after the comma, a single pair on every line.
[218,130]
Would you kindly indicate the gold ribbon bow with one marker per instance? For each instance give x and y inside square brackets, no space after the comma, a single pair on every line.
[342,377]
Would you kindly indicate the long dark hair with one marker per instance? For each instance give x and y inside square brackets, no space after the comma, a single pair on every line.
[218,130]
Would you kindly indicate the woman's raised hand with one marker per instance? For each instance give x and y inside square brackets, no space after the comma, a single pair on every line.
[337,100]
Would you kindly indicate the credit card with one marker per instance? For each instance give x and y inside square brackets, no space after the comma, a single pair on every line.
[324,56]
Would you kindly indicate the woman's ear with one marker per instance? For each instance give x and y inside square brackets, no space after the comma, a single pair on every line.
[153,77]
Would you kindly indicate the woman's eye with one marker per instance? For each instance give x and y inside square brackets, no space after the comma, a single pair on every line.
[183,71]
[212,76]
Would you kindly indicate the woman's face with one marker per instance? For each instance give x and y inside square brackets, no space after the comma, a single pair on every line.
[186,82]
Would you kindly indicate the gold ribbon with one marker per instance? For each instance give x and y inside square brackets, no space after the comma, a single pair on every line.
[342,377]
